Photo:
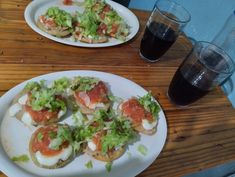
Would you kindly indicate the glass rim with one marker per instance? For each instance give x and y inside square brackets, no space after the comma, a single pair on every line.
[178,6]
[220,51]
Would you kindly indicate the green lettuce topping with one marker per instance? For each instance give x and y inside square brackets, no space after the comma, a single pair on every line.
[142,149]
[60,85]
[108,166]
[88,21]
[63,134]
[119,133]
[89,164]
[61,17]
[84,83]
[30,86]
[149,104]
[46,99]
[21,158]
[95,5]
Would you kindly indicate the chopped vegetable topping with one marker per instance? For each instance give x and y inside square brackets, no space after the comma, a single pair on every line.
[21,158]
[84,83]
[40,136]
[149,104]
[89,164]
[63,134]
[108,166]
[61,17]
[46,99]
[142,149]
[61,85]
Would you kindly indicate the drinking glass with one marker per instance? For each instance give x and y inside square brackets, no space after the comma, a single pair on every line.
[163,27]
[205,67]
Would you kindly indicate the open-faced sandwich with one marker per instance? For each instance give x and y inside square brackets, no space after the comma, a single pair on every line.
[142,112]
[106,136]
[56,22]
[86,28]
[38,105]
[51,146]
[110,22]
[90,94]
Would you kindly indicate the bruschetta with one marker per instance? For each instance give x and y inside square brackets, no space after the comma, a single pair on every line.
[56,22]
[51,146]
[90,94]
[111,23]
[86,28]
[142,112]
[38,105]
[110,138]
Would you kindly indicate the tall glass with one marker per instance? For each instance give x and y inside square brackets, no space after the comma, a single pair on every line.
[163,27]
[205,67]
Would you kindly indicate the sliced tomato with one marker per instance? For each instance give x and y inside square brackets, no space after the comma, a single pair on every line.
[42,115]
[68,2]
[107,8]
[135,111]
[102,28]
[96,95]
[42,144]
[97,140]
[114,29]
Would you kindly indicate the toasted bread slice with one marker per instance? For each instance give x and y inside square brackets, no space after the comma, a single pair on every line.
[111,156]
[82,38]
[55,31]
[59,164]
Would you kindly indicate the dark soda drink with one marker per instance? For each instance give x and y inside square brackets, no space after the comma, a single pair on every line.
[182,92]
[157,39]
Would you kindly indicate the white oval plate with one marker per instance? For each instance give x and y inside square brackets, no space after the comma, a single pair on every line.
[39,7]
[15,136]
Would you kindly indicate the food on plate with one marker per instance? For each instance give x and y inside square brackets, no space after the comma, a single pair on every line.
[51,146]
[142,112]
[103,124]
[86,28]
[106,135]
[90,94]
[110,22]
[38,105]
[56,22]
[96,24]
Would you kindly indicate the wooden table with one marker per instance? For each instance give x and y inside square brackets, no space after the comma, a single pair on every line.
[199,136]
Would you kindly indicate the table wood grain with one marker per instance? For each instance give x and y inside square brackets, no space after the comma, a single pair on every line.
[199,136]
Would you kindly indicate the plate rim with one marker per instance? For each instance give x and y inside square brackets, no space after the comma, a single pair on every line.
[33,26]
[11,169]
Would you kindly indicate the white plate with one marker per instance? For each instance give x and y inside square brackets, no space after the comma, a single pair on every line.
[15,136]
[39,7]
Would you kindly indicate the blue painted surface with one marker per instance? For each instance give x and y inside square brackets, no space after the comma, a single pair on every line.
[207,18]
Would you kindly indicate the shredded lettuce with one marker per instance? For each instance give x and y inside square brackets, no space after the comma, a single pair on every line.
[84,83]
[61,17]
[142,149]
[108,166]
[39,136]
[46,99]
[63,134]
[149,104]
[88,21]
[89,164]
[120,132]
[78,118]
[32,86]
[21,158]
[60,85]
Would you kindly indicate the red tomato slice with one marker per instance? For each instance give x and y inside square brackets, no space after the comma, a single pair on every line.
[135,111]
[40,116]
[96,95]
[42,144]
[67,2]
